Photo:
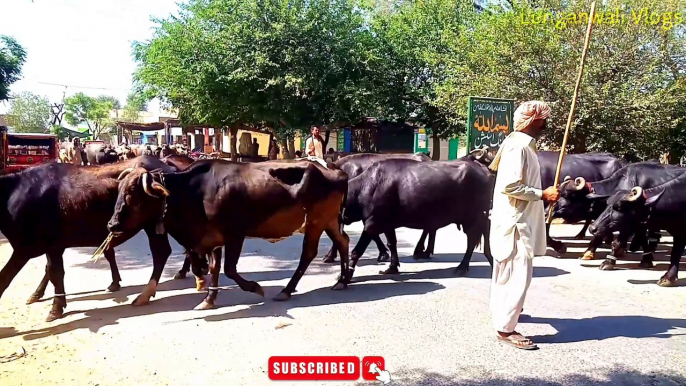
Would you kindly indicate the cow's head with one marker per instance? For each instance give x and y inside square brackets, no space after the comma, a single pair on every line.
[140,201]
[578,201]
[625,211]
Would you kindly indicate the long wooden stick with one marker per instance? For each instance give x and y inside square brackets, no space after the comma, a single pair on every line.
[571,112]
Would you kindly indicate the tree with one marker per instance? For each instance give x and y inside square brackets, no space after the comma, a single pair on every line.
[29,113]
[94,112]
[632,95]
[12,58]
[280,65]
[135,103]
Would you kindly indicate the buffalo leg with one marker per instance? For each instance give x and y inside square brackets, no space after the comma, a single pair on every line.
[596,241]
[360,247]
[213,290]
[650,245]
[670,278]
[617,247]
[395,261]
[199,267]
[558,246]
[232,254]
[342,241]
[186,267]
[309,252]
[330,256]
[383,252]
[40,291]
[432,243]
[419,249]
[160,249]
[474,233]
[109,255]
[582,234]
[56,273]
[11,269]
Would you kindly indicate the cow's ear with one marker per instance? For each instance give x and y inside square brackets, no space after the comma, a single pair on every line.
[653,199]
[594,196]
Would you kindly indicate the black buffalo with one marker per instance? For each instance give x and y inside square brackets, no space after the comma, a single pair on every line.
[658,208]
[581,200]
[55,206]
[442,193]
[354,165]
[590,166]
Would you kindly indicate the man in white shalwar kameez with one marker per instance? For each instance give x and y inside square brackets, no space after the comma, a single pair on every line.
[517,220]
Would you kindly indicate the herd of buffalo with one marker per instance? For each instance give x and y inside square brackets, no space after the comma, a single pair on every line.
[210,206]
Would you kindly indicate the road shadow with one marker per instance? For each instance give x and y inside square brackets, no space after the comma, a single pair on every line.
[96,319]
[475,272]
[608,376]
[605,327]
[355,293]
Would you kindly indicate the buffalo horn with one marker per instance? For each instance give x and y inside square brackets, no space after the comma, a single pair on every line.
[635,193]
[124,173]
[579,183]
[567,178]
[147,185]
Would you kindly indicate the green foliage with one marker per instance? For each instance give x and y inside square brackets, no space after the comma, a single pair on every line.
[12,58]
[277,64]
[135,103]
[95,112]
[29,113]
[632,96]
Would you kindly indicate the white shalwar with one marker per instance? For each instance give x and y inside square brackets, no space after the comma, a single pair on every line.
[517,228]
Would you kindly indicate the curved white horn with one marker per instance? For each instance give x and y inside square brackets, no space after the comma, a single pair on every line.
[579,183]
[124,173]
[567,178]
[147,185]
[635,193]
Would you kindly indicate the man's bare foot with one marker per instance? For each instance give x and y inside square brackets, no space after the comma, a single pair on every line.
[517,340]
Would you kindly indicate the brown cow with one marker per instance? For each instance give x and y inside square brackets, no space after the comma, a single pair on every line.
[217,203]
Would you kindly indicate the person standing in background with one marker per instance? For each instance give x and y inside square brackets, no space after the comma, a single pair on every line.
[75,153]
[273,150]
[315,144]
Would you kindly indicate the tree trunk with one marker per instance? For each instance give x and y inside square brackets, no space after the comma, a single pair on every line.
[327,134]
[233,132]
[436,152]
[284,148]
[291,147]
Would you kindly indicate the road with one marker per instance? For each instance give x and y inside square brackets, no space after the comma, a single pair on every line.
[592,327]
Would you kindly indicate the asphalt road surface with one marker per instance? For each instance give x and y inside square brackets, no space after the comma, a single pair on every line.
[432,328]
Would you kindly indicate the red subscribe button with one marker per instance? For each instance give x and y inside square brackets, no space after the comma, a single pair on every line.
[311,368]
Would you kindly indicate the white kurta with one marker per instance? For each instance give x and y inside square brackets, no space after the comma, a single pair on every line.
[517,228]
[318,147]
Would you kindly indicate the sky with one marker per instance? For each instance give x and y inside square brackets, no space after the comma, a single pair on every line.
[84,44]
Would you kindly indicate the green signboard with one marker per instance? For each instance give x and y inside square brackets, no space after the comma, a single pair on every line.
[489,121]
[421,140]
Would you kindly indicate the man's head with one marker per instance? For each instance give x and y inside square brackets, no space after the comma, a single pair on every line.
[531,118]
[315,130]
[76,141]
[254,140]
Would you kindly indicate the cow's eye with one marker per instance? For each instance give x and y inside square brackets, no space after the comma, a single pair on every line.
[128,200]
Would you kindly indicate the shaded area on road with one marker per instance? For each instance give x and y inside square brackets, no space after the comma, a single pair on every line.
[613,376]
[606,327]
[97,318]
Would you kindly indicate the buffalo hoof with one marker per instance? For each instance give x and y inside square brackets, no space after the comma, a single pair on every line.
[258,290]
[607,265]
[383,257]
[205,305]
[392,270]
[461,272]
[666,282]
[421,255]
[180,275]
[339,286]
[580,237]
[34,298]
[54,315]
[329,259]
[561,249]
[114,287]
[281,297]
[647,264]
[588,255]
[141,300]
[200,284]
